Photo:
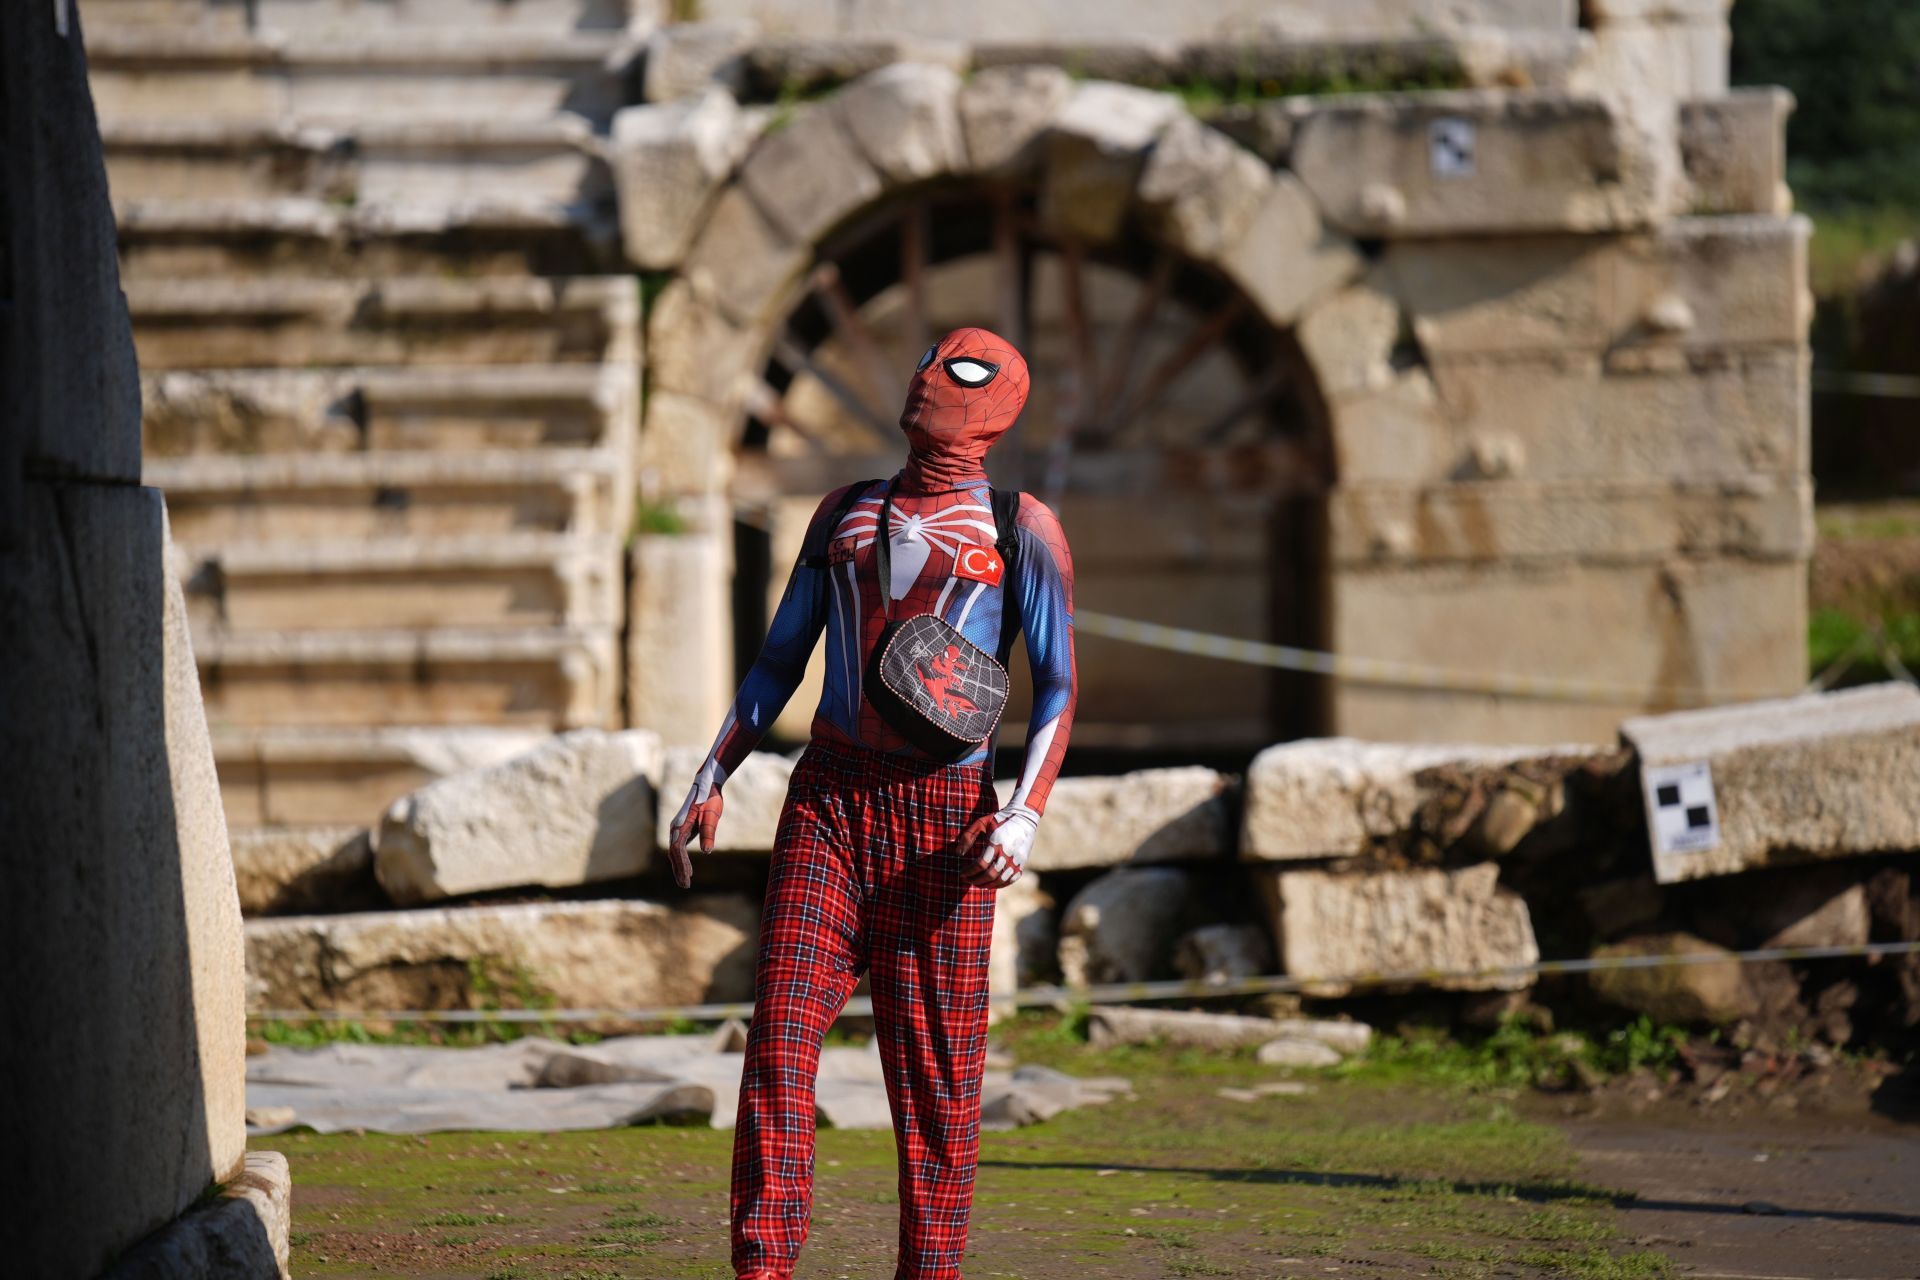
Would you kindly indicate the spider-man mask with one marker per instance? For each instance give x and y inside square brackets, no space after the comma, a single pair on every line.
[968,389]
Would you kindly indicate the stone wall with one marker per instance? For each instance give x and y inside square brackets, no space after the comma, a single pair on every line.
[1533,302]
[1355,868]
[1560,370]
[125,1026]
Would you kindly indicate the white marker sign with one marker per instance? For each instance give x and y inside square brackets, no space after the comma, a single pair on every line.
[1681,814]
[1451,143]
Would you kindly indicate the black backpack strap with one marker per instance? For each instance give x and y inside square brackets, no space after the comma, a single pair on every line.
[1006,514]
[813,552]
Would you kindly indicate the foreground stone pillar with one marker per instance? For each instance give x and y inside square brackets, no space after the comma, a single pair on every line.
[124,1007]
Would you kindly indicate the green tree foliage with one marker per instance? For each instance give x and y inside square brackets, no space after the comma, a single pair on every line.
[1854,66]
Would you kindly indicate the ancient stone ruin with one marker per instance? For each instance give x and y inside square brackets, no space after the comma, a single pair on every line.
[494,351]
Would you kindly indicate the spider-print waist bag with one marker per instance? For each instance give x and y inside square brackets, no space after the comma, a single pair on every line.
[936,688]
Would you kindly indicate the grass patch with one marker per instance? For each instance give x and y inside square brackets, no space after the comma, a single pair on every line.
[1395,1161]
[1515,1056]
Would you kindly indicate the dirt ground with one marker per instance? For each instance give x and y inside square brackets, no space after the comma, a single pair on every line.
[1764,1197]
[1355,1177]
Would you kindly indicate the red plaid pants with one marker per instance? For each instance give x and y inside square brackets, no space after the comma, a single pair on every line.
[864,879]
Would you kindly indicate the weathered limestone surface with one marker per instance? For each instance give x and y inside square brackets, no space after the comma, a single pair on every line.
[685,447]
[904,120]
[1151,815]
[809,175]
[345,776]
[1201,189]
[680,641]
[692,348]
[1721,627]
[1095,154]
[1539,162]
[1686,994]
[1686,416]
[754,795]
[1693,284]
[296,869]
[669,160]
[684,58]
[1671,49]
[244,1234]
[1824,776]
[1515,522]
[1005,111]
[1334,797]
[1349,337]
[1735,151]
[577,809]
[1024,935]
[1122,926]
[742,260]
[788,66]
[1117,1025]
[1140,20]
[1332,925]
[607,954]
[1285,258]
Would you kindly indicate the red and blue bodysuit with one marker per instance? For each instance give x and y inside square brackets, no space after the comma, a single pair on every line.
[886,860]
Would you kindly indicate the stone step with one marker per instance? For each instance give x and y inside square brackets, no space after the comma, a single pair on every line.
[364,171]
[503,581]
[144,73]
[499,234]
[546,678]
[302,323]
[388,495]
[336,412]
[361,15]
[281,777]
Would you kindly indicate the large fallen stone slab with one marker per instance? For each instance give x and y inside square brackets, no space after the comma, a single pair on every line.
[1447,929]
[1792,780]
[576,809]
[612,954]
[1180,1028]
[1705,989]
[1150,815]
[299,869]
[754,795]
[1339,797]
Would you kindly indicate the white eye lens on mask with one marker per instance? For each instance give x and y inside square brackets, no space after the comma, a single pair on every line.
[971,373]
[926,359]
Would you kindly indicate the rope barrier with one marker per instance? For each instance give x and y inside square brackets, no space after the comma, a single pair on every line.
[1392,674]
[1117,992]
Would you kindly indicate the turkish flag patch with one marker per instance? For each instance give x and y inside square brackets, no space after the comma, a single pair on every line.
[981,564]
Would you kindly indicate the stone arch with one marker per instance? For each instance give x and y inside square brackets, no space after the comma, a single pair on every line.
[1086,177]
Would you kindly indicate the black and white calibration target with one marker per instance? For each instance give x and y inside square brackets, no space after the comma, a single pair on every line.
[1451,145]
[1680,807]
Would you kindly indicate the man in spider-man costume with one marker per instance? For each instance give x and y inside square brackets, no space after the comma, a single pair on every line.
[887,860]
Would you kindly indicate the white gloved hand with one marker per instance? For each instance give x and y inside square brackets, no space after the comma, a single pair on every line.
[994,850]
[699,816]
